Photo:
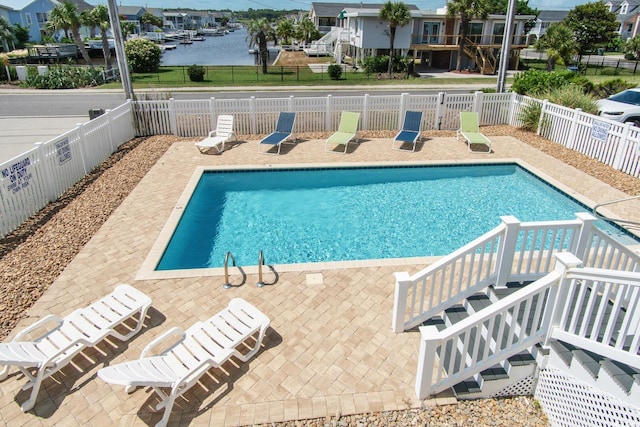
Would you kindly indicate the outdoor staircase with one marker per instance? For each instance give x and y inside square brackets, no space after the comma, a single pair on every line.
[484,57]
[502,316]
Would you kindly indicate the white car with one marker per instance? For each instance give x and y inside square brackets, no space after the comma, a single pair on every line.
[622,107]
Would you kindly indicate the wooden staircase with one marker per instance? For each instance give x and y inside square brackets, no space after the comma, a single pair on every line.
[484,57]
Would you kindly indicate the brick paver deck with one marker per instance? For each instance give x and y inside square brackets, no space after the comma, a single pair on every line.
[330,348]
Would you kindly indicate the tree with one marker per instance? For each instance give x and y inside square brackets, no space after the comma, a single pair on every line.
[466,10]
[149,21]
[65,17]
[99,17]
[499,7]
[593,25]
[306,30]
[285,30]
[632,48]
[21,35]
[559,44]
[6,34]
[397,15]
[259,33]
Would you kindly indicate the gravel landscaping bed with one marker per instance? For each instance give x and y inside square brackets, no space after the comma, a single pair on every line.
[32,257]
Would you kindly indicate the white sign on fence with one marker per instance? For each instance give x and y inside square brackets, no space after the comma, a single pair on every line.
[63,150]
[600,130]
[18,174]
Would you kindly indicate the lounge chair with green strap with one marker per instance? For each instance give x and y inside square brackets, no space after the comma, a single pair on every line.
[470,131]
[347,130]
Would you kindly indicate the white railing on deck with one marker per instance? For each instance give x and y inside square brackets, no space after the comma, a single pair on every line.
[603,315]
[512,252]
[594,309]
[30,181]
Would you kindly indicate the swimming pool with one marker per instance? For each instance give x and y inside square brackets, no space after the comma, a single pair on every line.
[353,213]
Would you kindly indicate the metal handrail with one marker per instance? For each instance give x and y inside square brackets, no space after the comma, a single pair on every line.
[260,283]
[598,215]
[227,284]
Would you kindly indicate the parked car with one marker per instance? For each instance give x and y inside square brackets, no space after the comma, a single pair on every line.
[622,107]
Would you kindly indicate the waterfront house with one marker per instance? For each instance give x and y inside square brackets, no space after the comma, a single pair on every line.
[542,22]
[627,15]
[31,14]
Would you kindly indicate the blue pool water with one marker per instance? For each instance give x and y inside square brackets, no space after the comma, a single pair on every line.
[337,214]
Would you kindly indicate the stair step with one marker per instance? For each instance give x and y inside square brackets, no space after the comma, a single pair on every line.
[437,321]
[562,351]
[456,313]
[494,373]
[479,302]
[467,386]
[622,374]
[521,359]
[588,360]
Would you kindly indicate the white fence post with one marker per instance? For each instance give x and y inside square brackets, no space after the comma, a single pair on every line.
[114,145]
[365,113]
[173,122]
[426,360]
[621,148]
[541,119]
[212,112]
[581,242]
[403,283]
[83,153]
[558,297]
[574,125]
[327,117]
[506,252]
[252,115]
[477,104]
[404,100]
[291,103]
[512,109]
[439,110]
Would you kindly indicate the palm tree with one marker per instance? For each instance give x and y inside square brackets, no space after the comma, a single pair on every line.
[285,30]
[65,17]
[99,17]
[305,29]
[6,34]
[397,15]
[259,33]
[559,43]
[467,10]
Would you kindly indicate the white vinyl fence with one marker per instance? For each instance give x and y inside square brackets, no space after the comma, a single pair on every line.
[40,175]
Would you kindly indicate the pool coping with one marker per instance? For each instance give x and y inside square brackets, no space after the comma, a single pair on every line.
[147,269]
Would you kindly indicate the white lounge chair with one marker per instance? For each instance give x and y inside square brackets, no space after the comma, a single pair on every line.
[203,346]
[83,328]
[217,138]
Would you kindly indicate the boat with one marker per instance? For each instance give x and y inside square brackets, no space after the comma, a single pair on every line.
[186,41]
[168,46]
[197,39]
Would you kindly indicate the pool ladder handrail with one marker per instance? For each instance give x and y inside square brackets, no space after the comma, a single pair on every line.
[227,283]
[260,283]
[599,215]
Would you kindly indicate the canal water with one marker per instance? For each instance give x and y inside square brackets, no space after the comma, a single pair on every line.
[230,49]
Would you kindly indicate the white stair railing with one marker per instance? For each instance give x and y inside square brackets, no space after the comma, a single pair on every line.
[602,314]
[511,252]
[450,356]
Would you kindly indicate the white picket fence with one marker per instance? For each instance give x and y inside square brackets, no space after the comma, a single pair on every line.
[28,182]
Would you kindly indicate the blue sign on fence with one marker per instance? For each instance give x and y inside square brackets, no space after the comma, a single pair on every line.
[600,130]
[63,150]
[18,175]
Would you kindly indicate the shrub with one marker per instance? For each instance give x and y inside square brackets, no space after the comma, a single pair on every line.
[533,82]
[335,71]
[64,77]
[610,87]
[530,116]
[573,96]
[196,73]
[143,55]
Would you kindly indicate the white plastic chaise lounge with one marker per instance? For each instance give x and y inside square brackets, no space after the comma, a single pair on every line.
[203,346]
[284,130]
[470,131]
[81,329]
[217,137]
[410,132]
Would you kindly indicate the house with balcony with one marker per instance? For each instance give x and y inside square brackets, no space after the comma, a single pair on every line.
[431,38]
[627,15]
[543,21]
[32,14]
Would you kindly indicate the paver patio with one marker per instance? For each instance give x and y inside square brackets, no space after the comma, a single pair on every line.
[330,348]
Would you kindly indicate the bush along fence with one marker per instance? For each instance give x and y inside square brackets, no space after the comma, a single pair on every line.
[30,181]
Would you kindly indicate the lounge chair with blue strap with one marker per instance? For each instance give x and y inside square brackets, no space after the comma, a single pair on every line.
[470,131]
[284,131]
[410,133]
[347,131]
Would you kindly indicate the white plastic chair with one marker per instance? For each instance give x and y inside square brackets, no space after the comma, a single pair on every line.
[217,138]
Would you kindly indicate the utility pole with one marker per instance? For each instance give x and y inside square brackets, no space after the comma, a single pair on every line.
[123,66]
[506,46]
